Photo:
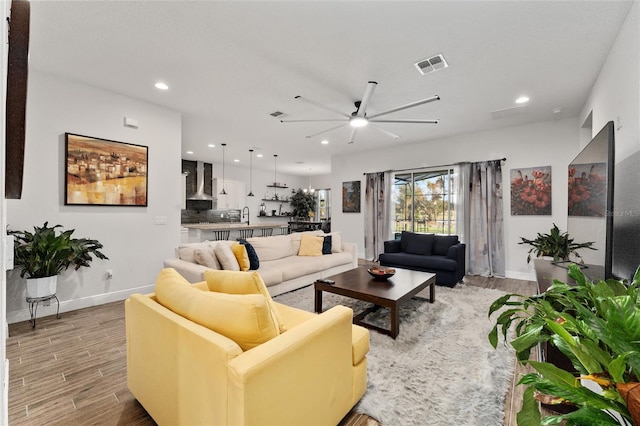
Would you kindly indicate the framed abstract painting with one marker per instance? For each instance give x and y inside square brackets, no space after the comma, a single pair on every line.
[103,172]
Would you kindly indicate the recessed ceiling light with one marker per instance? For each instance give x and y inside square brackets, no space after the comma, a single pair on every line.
[259,155]
[324,142]
[189,152]
[162,86]
[235,160]
[522,100]
[211,145]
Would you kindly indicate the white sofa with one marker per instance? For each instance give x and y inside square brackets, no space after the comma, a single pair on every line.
[281,268]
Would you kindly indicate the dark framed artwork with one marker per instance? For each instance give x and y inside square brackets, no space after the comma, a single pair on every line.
[103,172]
[531,191]
[351,197]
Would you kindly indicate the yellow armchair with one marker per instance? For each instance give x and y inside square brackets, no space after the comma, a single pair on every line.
[184,373]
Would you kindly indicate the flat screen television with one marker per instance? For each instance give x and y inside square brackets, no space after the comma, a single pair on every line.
[591,199]
[626,218]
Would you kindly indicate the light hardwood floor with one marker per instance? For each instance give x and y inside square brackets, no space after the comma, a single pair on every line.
[72,371]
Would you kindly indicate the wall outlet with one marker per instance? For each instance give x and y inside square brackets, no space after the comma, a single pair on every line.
[109,273]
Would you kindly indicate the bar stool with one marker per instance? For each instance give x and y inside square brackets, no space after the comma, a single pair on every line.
[221,235]
[246,233]
[284,230]
[267,232]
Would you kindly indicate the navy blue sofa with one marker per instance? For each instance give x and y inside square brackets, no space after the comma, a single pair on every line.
[443,255]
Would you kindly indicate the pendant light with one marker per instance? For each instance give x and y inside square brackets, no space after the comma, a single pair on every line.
[223,192]
[275,174]
[250,194]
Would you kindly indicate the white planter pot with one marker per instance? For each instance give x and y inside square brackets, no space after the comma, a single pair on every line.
[41,287]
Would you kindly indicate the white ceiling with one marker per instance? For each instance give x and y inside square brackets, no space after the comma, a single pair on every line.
[230,64]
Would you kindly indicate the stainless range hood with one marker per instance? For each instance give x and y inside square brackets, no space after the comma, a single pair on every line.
[200,195]
[199,200]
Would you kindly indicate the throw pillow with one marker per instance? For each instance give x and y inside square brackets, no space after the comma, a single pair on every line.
[336,242]
[442,243]
[240,253]
[417,243]
[310,245]
[254,261]
[252,323]
[404,240]
[326,245]
[206,257]
[242,283]
[226,257]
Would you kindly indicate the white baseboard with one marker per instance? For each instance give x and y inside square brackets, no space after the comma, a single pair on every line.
[72,305]
[517,275]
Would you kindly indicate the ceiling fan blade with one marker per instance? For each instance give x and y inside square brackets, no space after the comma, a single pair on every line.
[325,131]
[406,121]
[386,132]
[305,121]
[407,106]
[352,138]
[319,105]
[368,92]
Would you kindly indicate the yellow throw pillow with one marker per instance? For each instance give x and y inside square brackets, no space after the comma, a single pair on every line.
[251,282]
[310,245]
[240,252]
[244,318]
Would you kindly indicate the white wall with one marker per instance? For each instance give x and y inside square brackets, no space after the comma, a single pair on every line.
[552,143]
[320,181]
[134,244]
[615,95]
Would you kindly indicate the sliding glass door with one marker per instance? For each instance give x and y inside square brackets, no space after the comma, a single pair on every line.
[424,201]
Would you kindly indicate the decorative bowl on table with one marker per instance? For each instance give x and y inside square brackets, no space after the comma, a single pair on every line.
[381,274]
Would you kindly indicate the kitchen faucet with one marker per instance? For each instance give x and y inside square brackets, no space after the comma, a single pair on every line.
[247,209]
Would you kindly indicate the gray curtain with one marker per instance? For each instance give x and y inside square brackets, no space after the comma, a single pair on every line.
[462,205]
[486,236]
[377,208]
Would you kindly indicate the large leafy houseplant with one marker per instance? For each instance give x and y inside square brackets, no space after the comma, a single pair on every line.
[555,244]
[597,326]
[302,203]
[46,252]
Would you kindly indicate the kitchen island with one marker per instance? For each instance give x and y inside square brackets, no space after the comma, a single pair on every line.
[198,232]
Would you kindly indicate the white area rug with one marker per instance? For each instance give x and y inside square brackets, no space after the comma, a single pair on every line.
[441,369]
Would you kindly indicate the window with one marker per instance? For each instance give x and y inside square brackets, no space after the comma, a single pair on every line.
[424,201]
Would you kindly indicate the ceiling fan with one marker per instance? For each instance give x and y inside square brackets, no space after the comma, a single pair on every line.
[359,117]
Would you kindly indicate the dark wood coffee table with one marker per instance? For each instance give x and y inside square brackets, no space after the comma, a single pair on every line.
[358,284]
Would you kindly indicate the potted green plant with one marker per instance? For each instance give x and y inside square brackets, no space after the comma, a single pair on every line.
[597,326]
[303,203]
[555,244]
[44,253]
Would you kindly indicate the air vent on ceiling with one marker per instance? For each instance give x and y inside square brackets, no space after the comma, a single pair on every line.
[510,112]
[432,64]
[278,114]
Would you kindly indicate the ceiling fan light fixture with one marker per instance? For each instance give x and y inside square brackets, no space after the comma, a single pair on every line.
[358,121]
